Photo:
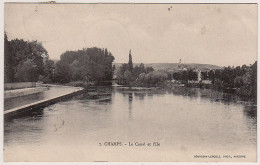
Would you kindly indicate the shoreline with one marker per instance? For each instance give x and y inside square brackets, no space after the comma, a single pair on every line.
[23,92]
[44,102]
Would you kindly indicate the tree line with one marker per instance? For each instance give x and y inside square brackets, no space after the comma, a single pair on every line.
[242,79]
[91,64]
[185,75]
[28,61]
[23,60]
[139,75]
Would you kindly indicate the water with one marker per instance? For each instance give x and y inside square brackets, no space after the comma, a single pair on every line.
[78,129]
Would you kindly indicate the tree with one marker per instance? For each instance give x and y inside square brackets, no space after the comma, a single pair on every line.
[120,74]
[91,64]
[192,75]
[18,52]
[246,87]
[238,82]
[123,68]
[176,76]
[211,76]
[22,50]
[204,75]
[61,73]
[8,62]
[48,71]
[128,76]
[254,82]
[218,85]
[141,77]
[130,62]
[246,84]
[75,71]
[27,71]
[138,70]
[155,78]
[184,77]
[228,77]
[149,69]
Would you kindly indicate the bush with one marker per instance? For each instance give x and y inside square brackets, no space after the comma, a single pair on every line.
[153,78]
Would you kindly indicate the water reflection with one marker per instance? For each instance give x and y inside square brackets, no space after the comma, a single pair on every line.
[250,111]
[212,95]
[130,100]
[139,95]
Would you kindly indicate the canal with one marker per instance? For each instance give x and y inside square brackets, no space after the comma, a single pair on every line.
[182,126]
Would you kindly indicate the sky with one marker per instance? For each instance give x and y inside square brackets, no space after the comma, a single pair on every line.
[220,34]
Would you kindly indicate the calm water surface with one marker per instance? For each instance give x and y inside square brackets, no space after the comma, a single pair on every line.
[78,129]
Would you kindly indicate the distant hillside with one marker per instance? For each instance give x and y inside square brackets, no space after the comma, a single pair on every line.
[174,66]
[169,66]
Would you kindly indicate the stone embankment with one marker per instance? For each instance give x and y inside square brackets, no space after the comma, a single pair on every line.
[24,91]
[53,94]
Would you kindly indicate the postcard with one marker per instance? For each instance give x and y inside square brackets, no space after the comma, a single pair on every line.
[129,82]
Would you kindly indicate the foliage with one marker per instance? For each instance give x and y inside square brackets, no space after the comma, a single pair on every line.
[130,62]
[155,77]
[192,75]
[245,89]
[78,84]
[238,82]
[8,62]
[27,71]
[123,68]
[176,76]
[243,79]
[61,73]
[253,94]
[218,84]
[141,77]
[138,70]
[184,76]
[204,75]
[49,68]
[125,77]
[20,54]
[128,76]
[149,69]
[91,64]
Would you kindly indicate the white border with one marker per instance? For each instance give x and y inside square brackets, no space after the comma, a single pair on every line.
[135,1]
[111,1]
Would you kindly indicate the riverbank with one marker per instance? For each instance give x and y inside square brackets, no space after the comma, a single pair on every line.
[19,105]
[82,84]
[24,91]
[210,90]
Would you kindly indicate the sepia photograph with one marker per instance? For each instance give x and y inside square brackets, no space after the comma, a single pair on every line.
[130,82]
